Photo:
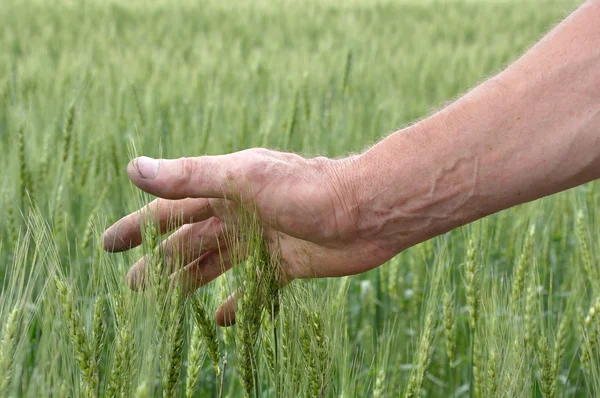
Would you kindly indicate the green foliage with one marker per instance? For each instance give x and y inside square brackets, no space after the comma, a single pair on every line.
[491,309]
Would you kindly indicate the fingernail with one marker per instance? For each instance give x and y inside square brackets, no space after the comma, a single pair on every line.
[147,167]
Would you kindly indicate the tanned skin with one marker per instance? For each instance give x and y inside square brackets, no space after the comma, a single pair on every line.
[531,131]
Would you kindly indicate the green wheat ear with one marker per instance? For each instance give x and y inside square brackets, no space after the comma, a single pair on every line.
[173,359]
[545,363]
[68,133]
[477,365]
[24,171]
[258,297]
[588,266]
[449,327]
[7,350]
[197,352]
[11,225]
[98,330]
[83,352]
[492,380]
[423,357]
[315,338]
[522,267]
[472,288]
[560,344]
[379,390]
[590,335]
[142,391]
[530,307]
[311,361]
[208,331]
[121,372]
[248,323]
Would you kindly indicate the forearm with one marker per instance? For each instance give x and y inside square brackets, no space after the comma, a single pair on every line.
[531,131]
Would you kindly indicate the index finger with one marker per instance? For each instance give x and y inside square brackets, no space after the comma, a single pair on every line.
[167,214]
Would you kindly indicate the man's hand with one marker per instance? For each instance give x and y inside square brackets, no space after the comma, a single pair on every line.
[531,131]
[308,209]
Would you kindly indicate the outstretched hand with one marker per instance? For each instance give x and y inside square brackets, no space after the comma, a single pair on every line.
[308,210]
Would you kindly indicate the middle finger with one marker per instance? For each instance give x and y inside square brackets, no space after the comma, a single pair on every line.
[182,247]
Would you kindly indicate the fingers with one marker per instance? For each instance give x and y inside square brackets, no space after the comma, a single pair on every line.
[181,248]
[199,177]
[225,315]
[168,214]
[202,271]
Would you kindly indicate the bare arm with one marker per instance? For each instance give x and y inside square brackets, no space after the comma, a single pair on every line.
[531,131]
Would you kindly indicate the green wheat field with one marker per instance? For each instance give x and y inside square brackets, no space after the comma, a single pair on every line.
[505,307]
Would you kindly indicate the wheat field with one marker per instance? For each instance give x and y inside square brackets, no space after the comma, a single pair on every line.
[505,307]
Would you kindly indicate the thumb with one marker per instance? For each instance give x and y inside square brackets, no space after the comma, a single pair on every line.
[199,177]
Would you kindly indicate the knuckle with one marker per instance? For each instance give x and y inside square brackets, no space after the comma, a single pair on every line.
[188,167]
[256,168]
[322,165]
[188,173]
[261,151]
[321,160]
[259,167]
[230,175]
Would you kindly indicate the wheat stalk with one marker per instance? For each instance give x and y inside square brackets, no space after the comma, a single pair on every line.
[98,330]
[559,348]
[547,375]
[588,267]
[379,390]
[472,285]
[492,376]
[449,328]
[118,379]
[530,306]
[7,349]
[196,358]
[83,352]
[521,268]
[172,366]
[207,328]
[68,133]
[477,366]
[424,354]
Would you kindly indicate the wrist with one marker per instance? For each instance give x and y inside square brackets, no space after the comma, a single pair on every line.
[413,187]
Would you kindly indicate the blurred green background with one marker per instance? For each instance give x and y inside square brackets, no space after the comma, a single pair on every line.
[186,78]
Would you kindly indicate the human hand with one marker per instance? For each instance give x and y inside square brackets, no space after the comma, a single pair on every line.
[308,209]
